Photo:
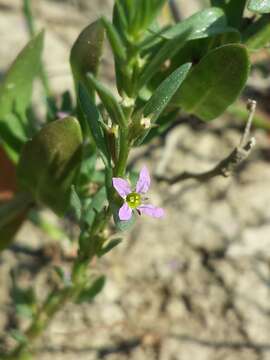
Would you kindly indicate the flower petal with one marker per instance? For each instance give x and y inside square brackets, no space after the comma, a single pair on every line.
[125,212]
[151,210]
[143,181]
[121,186]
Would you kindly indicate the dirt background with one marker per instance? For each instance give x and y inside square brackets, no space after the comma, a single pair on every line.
[195,285]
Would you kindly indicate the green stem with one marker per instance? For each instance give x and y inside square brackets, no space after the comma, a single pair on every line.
[123,154]
[54,301]
[59,297]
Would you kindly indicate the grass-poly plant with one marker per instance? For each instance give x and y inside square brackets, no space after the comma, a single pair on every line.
[197,66]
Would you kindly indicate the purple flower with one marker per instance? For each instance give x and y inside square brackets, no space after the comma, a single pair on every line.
[134,199]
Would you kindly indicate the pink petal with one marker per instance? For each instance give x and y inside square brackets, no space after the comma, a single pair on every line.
[151,210]
[125,212]
[144,181]
[121,186]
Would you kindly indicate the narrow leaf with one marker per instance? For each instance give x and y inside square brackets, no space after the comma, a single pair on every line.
[19,336]
[93,120]
[117,45]
[95,206]
[142,14]
[111,244]
[108,100]
[90,293]
[75,203]
[162,96]
[165,92]
[204,23]
[167,51]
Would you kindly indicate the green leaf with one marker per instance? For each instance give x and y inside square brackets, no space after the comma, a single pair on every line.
[204,23]
[120,20]
[194,50]
[167,51]
[88,172]
[215,82]
[111,244]
[202,46]
[75,203]
[142,15]
[133,19]
[95,206]
[24,311]
[60,272]
[119,52]
[86,53]
[233,9]
[16,91]
[109,101]
[93,120]
[259,6]
[91,292]
[257,35]
[19,336]
[115,40]
[162,96]
[13,134]
[49,163]
[24,299]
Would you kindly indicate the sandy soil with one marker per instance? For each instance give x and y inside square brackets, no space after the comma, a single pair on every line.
[192,286]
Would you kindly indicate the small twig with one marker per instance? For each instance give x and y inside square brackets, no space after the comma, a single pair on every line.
[228,165]
[175,11]
[251,106]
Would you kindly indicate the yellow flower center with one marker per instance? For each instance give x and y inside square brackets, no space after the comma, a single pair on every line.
[134,200]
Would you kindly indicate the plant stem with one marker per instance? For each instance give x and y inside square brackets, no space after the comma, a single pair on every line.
[123,154]
[55,301]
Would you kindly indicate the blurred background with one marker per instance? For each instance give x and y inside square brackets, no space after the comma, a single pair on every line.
[195,285]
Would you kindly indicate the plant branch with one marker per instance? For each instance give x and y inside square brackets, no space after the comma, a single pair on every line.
[176,15]
[228,165]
